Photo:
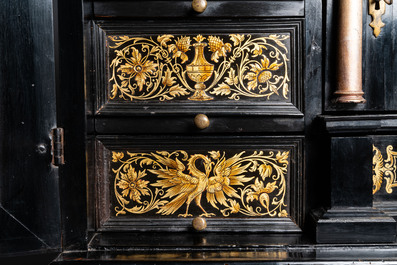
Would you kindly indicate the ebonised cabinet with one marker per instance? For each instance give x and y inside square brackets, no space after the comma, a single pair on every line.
[171,117]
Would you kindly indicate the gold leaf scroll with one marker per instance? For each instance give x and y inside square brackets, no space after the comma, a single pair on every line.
[384,170]
[169,183]
[156,67]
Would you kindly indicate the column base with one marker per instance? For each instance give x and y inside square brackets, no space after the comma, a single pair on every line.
[354,225]
[349,97]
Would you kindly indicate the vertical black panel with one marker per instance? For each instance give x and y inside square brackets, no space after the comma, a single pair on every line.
[314,154]
[351,163]
[391,93]
[29,198]
[375,61]
[71,117]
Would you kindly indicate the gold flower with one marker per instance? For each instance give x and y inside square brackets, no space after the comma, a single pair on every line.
[283,213]
[282,157]
[117,156]
[168,79]
[133,185]
[179,49]
[199,38]
[261,73]
[138,68]
[261,193]
[218,48]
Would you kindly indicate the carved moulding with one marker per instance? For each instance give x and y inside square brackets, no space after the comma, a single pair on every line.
[166,67]
[173,183]
[384,169]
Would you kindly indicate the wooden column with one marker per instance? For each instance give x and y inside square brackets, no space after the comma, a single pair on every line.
[349,61]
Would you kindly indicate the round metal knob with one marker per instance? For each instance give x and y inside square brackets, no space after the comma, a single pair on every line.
[199,5]
[199,223]
[201,121]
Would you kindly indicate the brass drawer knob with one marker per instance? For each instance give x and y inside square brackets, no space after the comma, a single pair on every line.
[201,121]
[199,5]
[199,223]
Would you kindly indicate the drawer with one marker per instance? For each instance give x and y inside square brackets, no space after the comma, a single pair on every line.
[185,68]
[162,184]
[177,9]
[168,72]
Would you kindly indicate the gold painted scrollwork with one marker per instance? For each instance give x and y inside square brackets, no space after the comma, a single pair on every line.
[156,68]
[250,185]
[384,169]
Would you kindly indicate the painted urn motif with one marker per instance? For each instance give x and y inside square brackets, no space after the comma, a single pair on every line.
[200,71]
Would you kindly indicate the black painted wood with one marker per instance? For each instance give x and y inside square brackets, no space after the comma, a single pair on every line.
[354,225]
[29,202]
[363,124]
[292,107]
[379,63]
[277,254]
[181,124]
[105,202]
[352,218]
[316,151]
[351,181]
[137,9]
[71,117]
[336,157]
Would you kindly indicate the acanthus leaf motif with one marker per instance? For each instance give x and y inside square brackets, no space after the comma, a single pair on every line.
[222,89]
[237,39]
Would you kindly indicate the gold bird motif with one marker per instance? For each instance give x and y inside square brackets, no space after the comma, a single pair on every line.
[227,173]
[184,188]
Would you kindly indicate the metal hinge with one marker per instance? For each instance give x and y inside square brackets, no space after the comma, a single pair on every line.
[57,147]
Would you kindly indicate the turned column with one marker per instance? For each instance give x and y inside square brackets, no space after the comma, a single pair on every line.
[349,60]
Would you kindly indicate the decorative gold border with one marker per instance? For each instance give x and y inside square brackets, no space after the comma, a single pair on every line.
[165,182]
[384,169]
[147,69]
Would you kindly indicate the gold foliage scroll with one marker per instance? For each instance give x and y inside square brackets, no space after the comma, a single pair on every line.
[384,169]
[171,183]
[166,67]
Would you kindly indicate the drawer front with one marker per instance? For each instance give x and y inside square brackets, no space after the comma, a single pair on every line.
[237,184]
[189,68]
[179,8]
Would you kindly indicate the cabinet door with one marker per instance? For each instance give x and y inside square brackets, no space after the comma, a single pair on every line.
[29,201]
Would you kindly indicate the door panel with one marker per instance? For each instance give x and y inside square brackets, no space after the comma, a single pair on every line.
[29,192]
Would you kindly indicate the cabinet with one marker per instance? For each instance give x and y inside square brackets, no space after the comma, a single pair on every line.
[206,137]
[156,80]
